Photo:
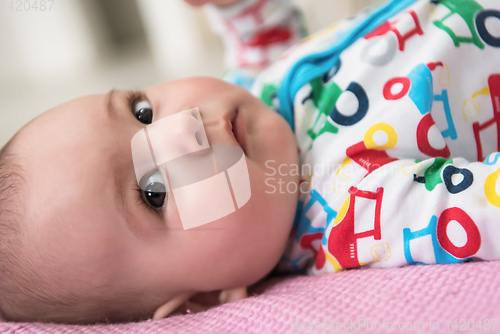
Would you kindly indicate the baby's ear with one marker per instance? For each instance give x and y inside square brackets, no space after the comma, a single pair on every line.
[170,306]
[228,296]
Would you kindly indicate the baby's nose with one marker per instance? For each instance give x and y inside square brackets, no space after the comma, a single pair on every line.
[177,135]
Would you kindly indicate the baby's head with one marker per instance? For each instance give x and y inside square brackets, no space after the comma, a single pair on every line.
[79,243]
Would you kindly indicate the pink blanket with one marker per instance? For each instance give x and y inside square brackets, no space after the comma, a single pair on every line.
[412,298]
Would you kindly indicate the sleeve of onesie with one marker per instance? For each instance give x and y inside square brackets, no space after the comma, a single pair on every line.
[255,34]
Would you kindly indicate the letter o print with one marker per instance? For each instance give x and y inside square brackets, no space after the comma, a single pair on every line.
[467,181]
[490,188]
[483,31]
[473,235]
[388,95]
[423,141]
[363,106]
[392,137]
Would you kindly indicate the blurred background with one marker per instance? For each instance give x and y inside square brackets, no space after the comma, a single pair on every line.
[54,51]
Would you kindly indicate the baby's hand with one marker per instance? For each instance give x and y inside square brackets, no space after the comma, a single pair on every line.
[221,3]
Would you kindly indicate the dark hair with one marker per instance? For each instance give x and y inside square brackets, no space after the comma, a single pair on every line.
[10,216]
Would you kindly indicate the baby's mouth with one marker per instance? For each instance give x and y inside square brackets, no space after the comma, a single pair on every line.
[238,129]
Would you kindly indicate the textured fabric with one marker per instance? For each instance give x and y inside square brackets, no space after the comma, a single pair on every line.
[410,294]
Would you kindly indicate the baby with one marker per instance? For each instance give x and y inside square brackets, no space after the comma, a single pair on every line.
[379,106]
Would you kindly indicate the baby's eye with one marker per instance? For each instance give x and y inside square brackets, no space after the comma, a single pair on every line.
[143,111]
[153,189]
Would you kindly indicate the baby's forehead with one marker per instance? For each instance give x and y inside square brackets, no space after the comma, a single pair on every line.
[61,117]
[64,155]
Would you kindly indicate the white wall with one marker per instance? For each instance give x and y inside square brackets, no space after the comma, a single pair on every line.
[322,13]
[47,44]
[181,41]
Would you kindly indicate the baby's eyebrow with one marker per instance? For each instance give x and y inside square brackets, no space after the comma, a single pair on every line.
[118,190]
[110,108]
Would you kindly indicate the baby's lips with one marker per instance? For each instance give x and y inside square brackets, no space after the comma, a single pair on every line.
[239,132]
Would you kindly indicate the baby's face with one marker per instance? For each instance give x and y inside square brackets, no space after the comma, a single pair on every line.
[86,221]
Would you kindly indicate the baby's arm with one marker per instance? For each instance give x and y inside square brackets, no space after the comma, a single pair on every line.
[255,34]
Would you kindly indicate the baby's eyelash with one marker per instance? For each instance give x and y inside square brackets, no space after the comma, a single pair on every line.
[134,96]
[142,202]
